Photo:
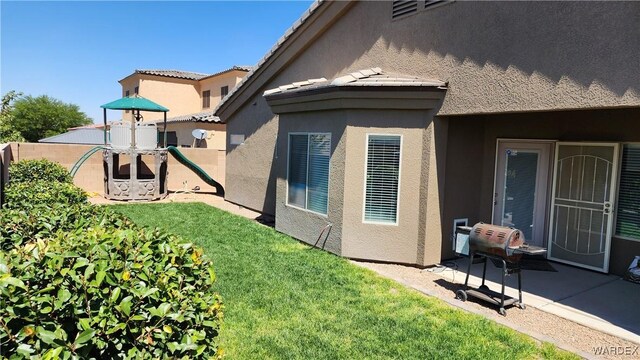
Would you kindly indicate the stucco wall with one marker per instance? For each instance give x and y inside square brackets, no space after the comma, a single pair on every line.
[301,224]
[90,176]
[216,134]
[180,96]
[394,242]
[471,159]
[215,83]
[497,57]
[249,174]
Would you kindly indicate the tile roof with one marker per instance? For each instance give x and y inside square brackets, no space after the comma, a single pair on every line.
[87,136]
[235,67]
[203,116]
[373,77]
[287,34]
[189,75]
[179,74]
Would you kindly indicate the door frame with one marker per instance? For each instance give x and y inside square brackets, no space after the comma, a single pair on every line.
[549,178]
[613,190]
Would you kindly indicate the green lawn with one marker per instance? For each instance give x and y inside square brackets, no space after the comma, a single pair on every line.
[285,300]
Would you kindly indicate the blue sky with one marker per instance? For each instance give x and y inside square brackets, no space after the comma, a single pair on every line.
[77,51]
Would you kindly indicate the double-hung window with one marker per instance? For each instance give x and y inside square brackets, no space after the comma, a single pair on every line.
[628,215]
[308,171]
[382,179]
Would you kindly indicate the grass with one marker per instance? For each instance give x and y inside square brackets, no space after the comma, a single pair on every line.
[285,300]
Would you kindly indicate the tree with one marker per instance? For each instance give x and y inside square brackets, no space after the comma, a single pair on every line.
[7,132]
[39,117]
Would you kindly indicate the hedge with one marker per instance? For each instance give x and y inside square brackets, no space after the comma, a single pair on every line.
[26,195]
[38,170]
[80,281]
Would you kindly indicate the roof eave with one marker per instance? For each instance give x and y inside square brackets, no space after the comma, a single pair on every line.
[302,92]
[235,68]
[318,9]
[357,97]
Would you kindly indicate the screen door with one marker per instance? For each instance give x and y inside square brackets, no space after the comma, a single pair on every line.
[582,204]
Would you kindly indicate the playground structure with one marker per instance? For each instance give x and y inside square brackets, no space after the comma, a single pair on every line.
[134,161]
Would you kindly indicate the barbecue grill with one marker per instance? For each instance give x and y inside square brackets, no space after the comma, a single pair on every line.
[504,246]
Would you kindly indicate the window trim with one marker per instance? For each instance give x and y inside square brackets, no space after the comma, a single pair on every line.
[307,175]
[364,183]
[614,233]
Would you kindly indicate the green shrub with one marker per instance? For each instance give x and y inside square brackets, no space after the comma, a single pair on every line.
[107,293]
[80,281]
[21,226]
[26,195]
[38,170]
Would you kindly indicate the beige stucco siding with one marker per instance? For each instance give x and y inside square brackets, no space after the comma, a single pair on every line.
[250,176]
[497,57]
[387,242]
[215,83]
[216,135]
[352,236]
[303,224]
[180,96]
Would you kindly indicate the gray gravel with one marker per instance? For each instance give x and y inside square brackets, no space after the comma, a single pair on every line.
[544,326]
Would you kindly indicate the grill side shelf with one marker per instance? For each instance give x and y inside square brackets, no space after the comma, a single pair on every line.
[530,250]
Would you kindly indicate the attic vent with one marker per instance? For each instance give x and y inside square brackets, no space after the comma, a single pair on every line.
[428,3]
[401,8]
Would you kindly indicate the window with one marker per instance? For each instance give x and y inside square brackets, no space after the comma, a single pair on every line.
[382,179]
[224,91]
[135,90]
[172,138]
[126,94]
[206,99]
[308,176]
[628,216]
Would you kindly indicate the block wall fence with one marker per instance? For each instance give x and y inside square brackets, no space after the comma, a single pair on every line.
[91,174]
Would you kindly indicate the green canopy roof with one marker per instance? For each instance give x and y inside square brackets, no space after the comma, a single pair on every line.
[134,103]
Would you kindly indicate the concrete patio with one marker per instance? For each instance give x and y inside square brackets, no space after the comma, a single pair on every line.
[599,301]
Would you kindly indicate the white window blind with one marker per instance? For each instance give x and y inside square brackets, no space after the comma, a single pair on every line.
[308,179]
[628,216]
[382,178]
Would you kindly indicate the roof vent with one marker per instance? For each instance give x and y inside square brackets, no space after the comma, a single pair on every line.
[401,8]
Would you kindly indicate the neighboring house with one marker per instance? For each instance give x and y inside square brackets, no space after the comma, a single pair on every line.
[190,98]
[387,121]
[81,135]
